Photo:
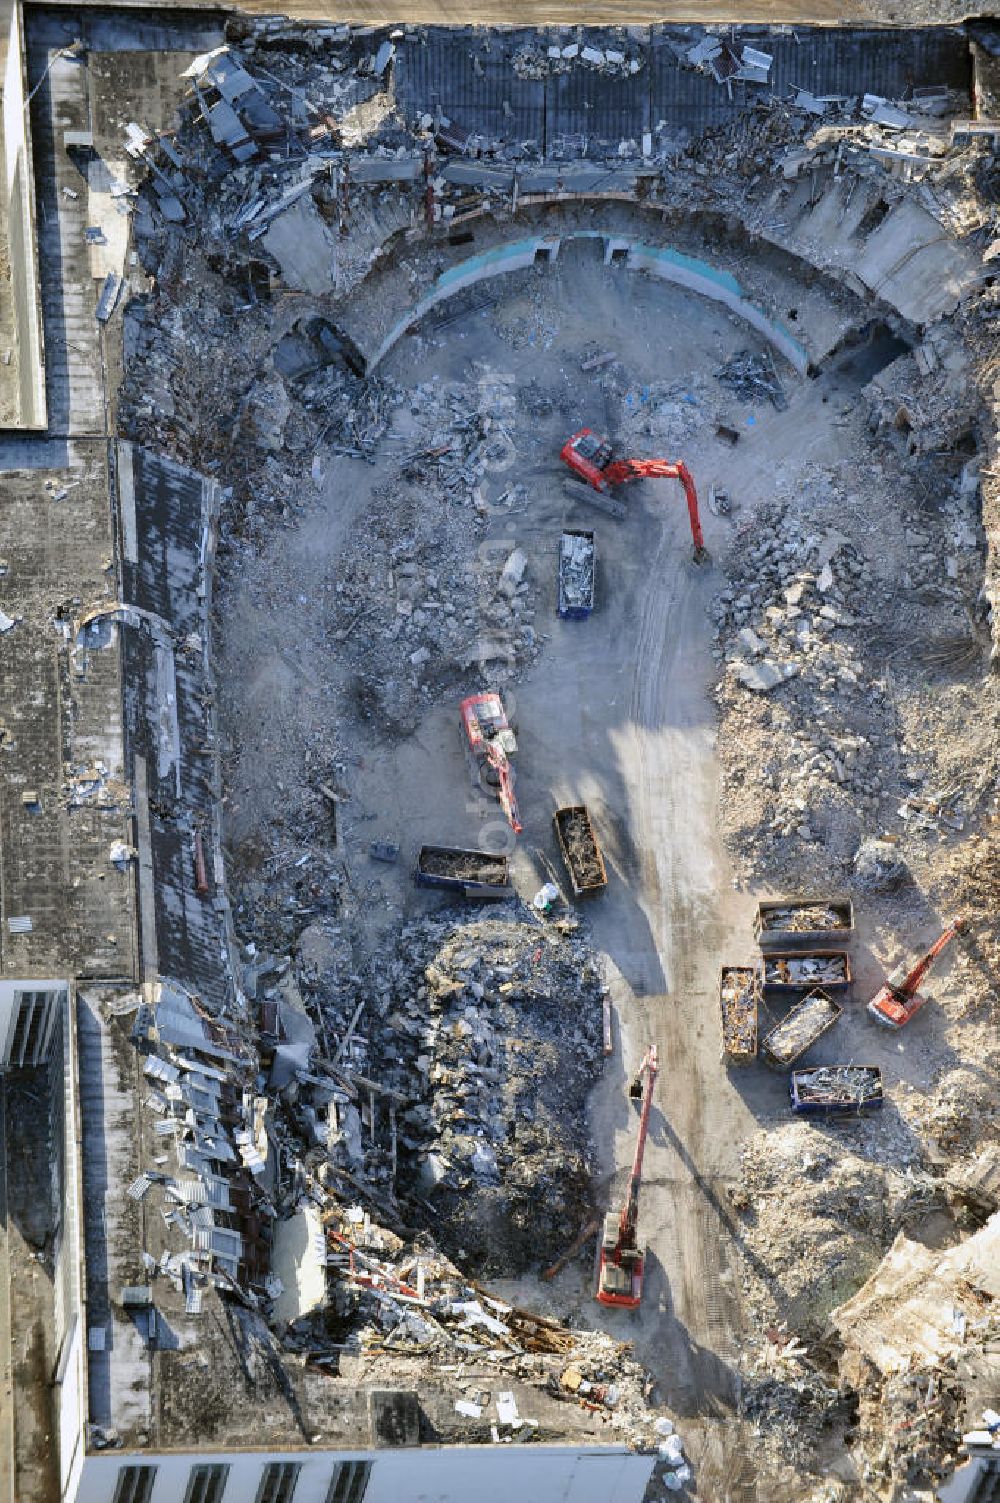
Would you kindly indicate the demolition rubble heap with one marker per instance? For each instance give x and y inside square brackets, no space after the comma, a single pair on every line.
[283,1205]
[457,1090]
[423,1097]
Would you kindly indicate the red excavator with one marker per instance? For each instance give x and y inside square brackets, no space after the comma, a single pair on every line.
[492,743]
[622,1261]
[589,457]
[898,999]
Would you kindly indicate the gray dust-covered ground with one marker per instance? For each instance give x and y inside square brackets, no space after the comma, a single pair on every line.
[617,712]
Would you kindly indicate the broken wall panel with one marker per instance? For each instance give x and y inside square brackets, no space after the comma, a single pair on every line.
[681,98]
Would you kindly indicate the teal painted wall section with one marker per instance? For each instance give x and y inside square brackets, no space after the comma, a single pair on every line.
[673,266]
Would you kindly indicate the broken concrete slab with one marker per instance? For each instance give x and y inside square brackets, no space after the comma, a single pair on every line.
[303,246]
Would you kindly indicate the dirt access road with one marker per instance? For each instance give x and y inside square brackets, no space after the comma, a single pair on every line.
[616,712]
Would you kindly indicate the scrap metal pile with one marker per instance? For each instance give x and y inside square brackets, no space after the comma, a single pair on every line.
[576,570]
[807,970]
[829,1083]
[802,917]
[753,378]
[739,1010]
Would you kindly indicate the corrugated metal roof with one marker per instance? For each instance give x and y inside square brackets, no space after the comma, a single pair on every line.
[470,79]
[438,73]
[605,109]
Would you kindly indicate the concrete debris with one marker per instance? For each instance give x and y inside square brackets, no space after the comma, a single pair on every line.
[535,61]
[424,1126]
[878,865]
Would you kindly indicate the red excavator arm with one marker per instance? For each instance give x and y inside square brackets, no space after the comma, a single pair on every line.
[590,457]
[622,1264]
[637,469]
[497,759]
[911,982]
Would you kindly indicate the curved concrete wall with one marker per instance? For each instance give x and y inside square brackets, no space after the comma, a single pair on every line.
[671,266]
[514,256]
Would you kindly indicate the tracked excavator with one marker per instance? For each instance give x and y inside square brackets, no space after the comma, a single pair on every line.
[589,457]
[492,743]
[898,999]
[621,1260]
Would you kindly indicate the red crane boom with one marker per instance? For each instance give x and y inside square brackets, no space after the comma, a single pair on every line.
[622,1263]
[590,457]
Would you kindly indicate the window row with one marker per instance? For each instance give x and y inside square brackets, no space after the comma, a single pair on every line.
[207,1483]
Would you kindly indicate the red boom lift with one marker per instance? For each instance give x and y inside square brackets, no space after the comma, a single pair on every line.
[622,1262]
[590,457]
[898,999]
[492,743]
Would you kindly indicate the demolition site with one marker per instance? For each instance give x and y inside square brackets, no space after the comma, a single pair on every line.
[500,619]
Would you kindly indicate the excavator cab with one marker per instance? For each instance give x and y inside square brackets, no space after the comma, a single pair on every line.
[597,451]
[493,723]
[621,1268]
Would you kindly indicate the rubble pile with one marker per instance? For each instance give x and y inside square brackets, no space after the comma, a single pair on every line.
[409,1298]
[797,1411]
[926,400]
[785,621]
[910,1427]
[664,416]
[450,1076]
[915,1339]
[843,1206]
[416,606]
[826,630]
[961,1113]
[406,1311]
[499,1047]
[534,60]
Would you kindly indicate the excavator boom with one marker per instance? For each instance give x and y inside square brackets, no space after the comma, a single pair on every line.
[923,965]
[590,457]
[620,1270]
[505,788]
[899,998]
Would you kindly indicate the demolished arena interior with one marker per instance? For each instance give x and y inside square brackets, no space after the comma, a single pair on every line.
[498,571]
